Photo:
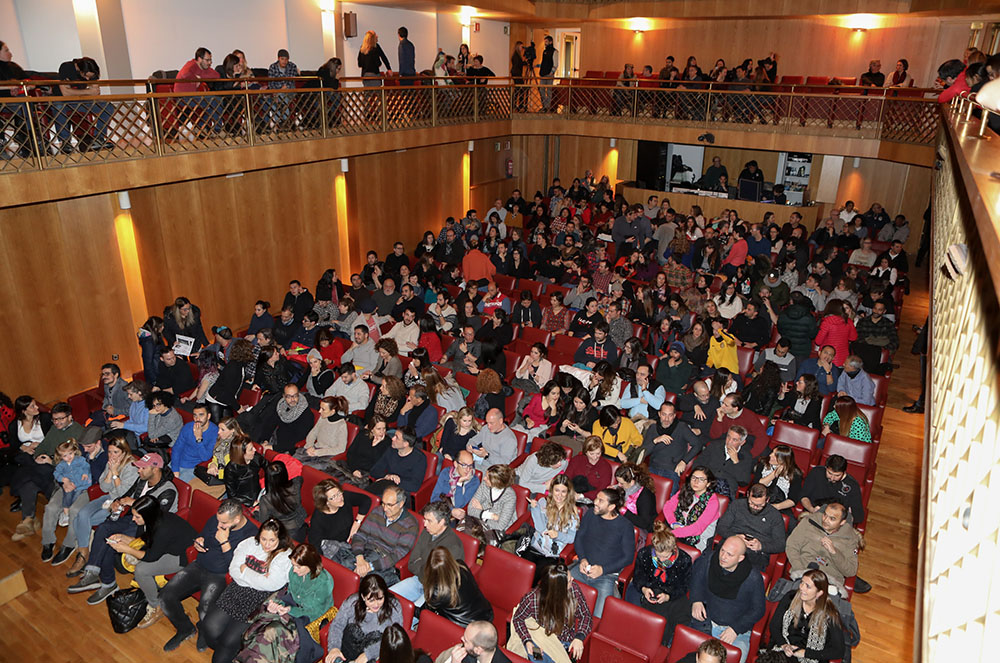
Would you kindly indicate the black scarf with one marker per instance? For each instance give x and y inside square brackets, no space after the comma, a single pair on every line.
[725,584]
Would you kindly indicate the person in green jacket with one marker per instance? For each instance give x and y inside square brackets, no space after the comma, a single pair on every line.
[305,603]
[797,324]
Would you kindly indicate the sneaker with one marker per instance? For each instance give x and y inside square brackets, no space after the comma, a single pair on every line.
[64,519]
[102,594]
[89,582]
[62,556]
[24,529]
[47,551]
[175,642]
[78,565]
[153,615]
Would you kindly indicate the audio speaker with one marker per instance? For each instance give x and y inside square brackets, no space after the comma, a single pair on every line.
[350,24]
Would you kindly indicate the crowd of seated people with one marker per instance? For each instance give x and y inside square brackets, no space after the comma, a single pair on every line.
[669,472]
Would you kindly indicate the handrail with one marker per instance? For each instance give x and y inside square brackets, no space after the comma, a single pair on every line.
[77,130]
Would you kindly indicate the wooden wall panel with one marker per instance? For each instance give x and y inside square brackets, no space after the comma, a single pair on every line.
[400,195]
[900,188]
[65,307]
[796,40]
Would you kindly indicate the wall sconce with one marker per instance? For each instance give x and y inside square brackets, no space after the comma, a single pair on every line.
[614,142]
[124,202]
[638,32]
[861,29]
[343,166]
[472,145]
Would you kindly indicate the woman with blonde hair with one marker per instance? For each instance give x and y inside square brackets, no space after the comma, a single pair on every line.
[230,433]
[370,58]
[556,520]
[117,478]
[459,428]
[184,318]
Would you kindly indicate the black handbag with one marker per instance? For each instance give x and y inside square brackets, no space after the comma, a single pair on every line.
[126,608]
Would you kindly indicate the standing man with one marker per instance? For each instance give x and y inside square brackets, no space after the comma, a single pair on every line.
[547,72]
[281,103]
[407,57]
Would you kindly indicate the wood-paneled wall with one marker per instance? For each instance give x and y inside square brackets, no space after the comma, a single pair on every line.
[64,309]
[397,196]
[226,242]
[805,46]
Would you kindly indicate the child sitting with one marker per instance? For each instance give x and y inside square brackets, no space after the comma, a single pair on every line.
[73,472]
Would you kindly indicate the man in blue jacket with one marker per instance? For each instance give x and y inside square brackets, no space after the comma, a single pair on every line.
[458,482]
[605,544]
[194,445]
[727,595]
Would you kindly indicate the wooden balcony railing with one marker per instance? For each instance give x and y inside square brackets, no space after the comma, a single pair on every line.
[40,132]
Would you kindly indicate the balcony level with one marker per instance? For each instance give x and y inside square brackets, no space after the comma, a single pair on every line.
[155,137]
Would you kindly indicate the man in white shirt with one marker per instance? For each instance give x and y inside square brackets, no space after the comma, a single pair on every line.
[350,387]
[406,333]
[848,213]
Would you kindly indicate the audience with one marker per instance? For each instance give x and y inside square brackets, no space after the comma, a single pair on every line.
[660,580]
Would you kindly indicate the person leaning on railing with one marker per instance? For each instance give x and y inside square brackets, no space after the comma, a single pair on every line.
[11,71]
[204,111]
[77,73]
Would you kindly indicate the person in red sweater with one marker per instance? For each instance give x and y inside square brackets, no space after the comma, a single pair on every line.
[732,413]
[430,339]
[737,254]
[476,265]
[837,330]
[590,471]
[203,110]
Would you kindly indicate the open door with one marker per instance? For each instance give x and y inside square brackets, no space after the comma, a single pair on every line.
[568,43]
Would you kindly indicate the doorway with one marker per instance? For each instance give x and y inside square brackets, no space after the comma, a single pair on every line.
[568,43]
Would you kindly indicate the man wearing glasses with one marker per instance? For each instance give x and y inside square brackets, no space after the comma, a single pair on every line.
[34,473]
[386,535]
[457,483]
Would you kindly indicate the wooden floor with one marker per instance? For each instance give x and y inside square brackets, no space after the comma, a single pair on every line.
[32,630]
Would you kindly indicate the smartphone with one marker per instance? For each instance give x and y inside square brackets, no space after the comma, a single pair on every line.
[536,654]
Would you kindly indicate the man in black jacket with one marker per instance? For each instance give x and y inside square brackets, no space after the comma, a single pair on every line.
[751,329]
[669,444]
[286,328]
[729,459]
[395,260]
[175,374]
[298,299]
[758,523]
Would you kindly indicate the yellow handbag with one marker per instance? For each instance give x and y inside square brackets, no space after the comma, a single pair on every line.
[129,561]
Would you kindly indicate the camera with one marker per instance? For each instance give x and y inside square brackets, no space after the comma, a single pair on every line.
[529,53]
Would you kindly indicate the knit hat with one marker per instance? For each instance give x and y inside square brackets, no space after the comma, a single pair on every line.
[314,354]
[677,345]
[772,277]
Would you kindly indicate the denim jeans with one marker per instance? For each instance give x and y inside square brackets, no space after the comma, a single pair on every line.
[742,641]
[102,556]
[91,515]
[185,474]
[605,586]
[210,111]
[70,112]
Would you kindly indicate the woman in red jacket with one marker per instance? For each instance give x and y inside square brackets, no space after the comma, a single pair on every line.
[837,330]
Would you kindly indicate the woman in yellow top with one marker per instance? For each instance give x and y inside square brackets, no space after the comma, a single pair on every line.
[618,434]
[722,348]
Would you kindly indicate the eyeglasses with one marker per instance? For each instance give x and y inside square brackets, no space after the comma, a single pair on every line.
[699,479]
[460,464]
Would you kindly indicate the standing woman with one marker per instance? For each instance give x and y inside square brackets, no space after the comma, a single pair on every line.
[806,625]
[150,341]
[356,632]
[184,318]
[370,59]
[300,608]
[517,73]
[282,500]
[661,578]
[462,59]
[260,567]
[562,620]
[837,330]
[223,399]
[693,511]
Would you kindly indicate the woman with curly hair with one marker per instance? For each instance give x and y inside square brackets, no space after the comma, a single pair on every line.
[539,468]
[693,511]
[388,400]
[388,364]
[492,393]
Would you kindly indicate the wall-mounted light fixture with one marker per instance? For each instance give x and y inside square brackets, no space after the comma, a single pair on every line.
[124,201]
[472,146]
[343,166]
[614,142]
